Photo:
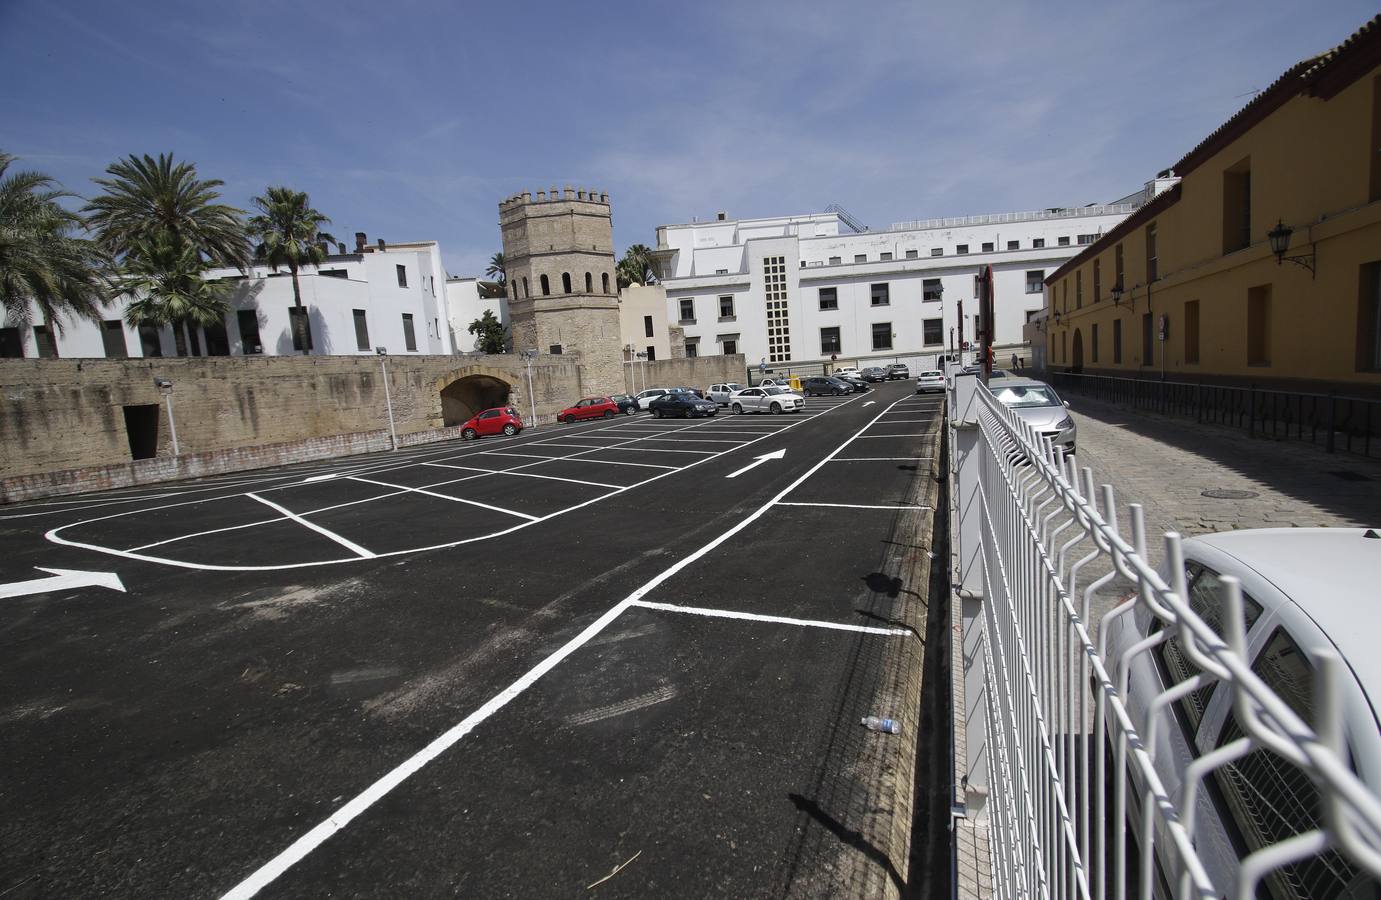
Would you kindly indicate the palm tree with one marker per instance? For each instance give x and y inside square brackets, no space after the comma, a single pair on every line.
[41,262]
[290,234]
[636,267]
[147,198]
[167,279]
[496,269]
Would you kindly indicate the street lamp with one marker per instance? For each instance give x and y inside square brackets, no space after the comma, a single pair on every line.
[388,395]
[165,387]
[1116,292]
[1279,237]
[528,356]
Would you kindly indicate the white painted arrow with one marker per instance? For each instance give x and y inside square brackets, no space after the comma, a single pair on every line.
[325,477]
[869,403]
[61,580]
[757,461]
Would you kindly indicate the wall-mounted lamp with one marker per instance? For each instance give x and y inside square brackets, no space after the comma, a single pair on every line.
[1117,292]
[382,351]
[1279,237]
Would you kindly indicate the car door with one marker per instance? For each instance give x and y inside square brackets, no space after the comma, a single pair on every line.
[489,422]
[753,399]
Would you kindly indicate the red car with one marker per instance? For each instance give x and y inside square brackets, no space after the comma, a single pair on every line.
[589,408]
[499,420]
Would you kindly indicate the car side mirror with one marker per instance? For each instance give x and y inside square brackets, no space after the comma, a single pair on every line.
[1067,406]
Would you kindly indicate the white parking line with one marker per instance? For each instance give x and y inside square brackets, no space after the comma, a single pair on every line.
[344,542]
[663,450]
[881,458]
[418,490]
[852,505]
[526,475]
[758,617]
[907,422]
[908,434]
[617,462]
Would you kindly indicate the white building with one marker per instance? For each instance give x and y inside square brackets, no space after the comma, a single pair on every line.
[384,295]
[801,289]
[465,304]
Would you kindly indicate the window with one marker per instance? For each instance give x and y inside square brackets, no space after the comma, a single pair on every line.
[1375,153]
[882,335]
[1086,239]
[514,285]
[526,292]
[565,282]
[933,331]
[113,339]
[1093,343]
[409,336]
[1152,261]
[1117,341]
[1259,326]
[1079,289]
[836,260]
[1014,245]
[402,275]
[1118,268]
[860,257]
[1064,241]
[11,344]
[1064,294]
[151,344]
[47,347]
[687,309]
[721,271]
[546,287]
[886,257]
[217,341]
[730,347]
[692,349]
[301,328]
[603,280]
[554,349]
[881,295]
[361,330]
[1148,339]
[1237,206]
[1191,331]
[651,354]
[829,298]
[647,326]
[778,322]
[911,254]
[988,247]
[931,290]
[1369,316]
[726,306]
[589,283]
[829,341]
[1064,347]
[961,249]
[937,251]
[333,273]
[1035,281]
[1038,244]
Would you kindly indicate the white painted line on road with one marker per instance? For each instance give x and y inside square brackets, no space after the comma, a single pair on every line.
[298,850]
[907,422]
[908,434]
[870,403]
[526,475]
[617,462]
[418,490]
[325,477]
[662,450]
[851,505]
[757,461]
[344,542]
[61,580]
[881,458]
[758,617]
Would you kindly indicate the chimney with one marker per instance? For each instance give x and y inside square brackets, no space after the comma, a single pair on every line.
[360,241]
[721,216]
[381,245]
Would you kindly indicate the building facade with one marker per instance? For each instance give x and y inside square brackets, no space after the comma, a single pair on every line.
[465,303]
[382,295]
[1190,286]
[806,289]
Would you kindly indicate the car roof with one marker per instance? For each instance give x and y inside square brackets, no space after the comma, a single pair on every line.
[1330,574]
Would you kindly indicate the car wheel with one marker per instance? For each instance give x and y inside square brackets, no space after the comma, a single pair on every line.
[837,392]
[570,420]
[776,409]
[609,414]
[469,434]
[657,413]
[510,429]
[738,409]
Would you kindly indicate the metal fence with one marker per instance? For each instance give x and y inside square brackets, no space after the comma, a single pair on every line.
[1350,424]
[1057,759]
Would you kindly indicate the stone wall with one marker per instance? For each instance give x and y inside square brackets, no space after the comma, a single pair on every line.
[690,371]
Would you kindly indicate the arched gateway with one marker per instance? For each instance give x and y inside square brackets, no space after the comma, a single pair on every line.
[465,392]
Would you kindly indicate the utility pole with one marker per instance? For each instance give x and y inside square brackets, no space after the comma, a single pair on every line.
[388,396]
[165,387]
[531,398]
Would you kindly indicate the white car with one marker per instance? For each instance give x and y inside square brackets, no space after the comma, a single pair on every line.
[1303,589]
[930,381]
[781,381]
[771,399]
[844,370]
[647,396]
[720,393]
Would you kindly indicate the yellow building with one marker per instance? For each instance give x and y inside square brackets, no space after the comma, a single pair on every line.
[1190,285]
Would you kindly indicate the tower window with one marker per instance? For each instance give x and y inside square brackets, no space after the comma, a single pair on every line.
[565,282]
[589,283]
[604,280]
[546,287]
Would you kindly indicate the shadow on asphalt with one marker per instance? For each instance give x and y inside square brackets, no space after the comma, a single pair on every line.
[847,835]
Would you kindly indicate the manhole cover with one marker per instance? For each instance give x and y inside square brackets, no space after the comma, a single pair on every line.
[1347,475]
[1226,494]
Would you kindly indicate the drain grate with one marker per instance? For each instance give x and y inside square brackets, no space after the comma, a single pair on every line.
[1347,475]
[1227,494]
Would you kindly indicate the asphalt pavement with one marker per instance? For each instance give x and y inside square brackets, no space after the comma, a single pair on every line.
[497,668]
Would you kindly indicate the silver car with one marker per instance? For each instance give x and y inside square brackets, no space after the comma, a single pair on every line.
[1040,407]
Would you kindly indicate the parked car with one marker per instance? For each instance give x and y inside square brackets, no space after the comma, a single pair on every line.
[844,370]
[930,381]
[719,393]
[772,399]
[783,381]
[818,385]
[684,404]
[499,420]
[589,408]
[1037,404]
[873,373]
[898,372]
[855,383]
[627,405]
[646,397]
[1304,589]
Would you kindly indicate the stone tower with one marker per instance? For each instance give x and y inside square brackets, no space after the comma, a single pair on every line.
[563,292]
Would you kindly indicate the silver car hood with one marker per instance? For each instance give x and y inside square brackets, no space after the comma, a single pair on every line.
[1042,416]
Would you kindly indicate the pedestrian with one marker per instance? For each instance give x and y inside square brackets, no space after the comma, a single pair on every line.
[1016,363]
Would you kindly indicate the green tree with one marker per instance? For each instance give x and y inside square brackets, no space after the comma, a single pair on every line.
[289,233]
[166,279]
[496,270]
[636,267]
[491,335]
[42,262]
[148,201]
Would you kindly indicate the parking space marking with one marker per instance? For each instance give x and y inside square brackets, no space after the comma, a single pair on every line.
[418,490]
[908,434]
[852,505]
[906,422]
[758,617]
[526,475]
[881,458]
[664,450]
[299,849]
[344,542]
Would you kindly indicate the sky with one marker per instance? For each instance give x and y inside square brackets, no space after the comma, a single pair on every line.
[411,120]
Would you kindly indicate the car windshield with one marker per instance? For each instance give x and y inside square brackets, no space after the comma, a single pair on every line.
[931,375]
[735,386]
[1027,396]
[778,390]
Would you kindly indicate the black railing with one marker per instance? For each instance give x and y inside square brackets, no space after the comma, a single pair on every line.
[1334,422]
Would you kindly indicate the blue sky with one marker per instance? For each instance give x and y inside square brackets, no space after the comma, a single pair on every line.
[411,120]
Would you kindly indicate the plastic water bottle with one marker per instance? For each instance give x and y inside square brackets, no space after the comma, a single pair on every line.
[887,726]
